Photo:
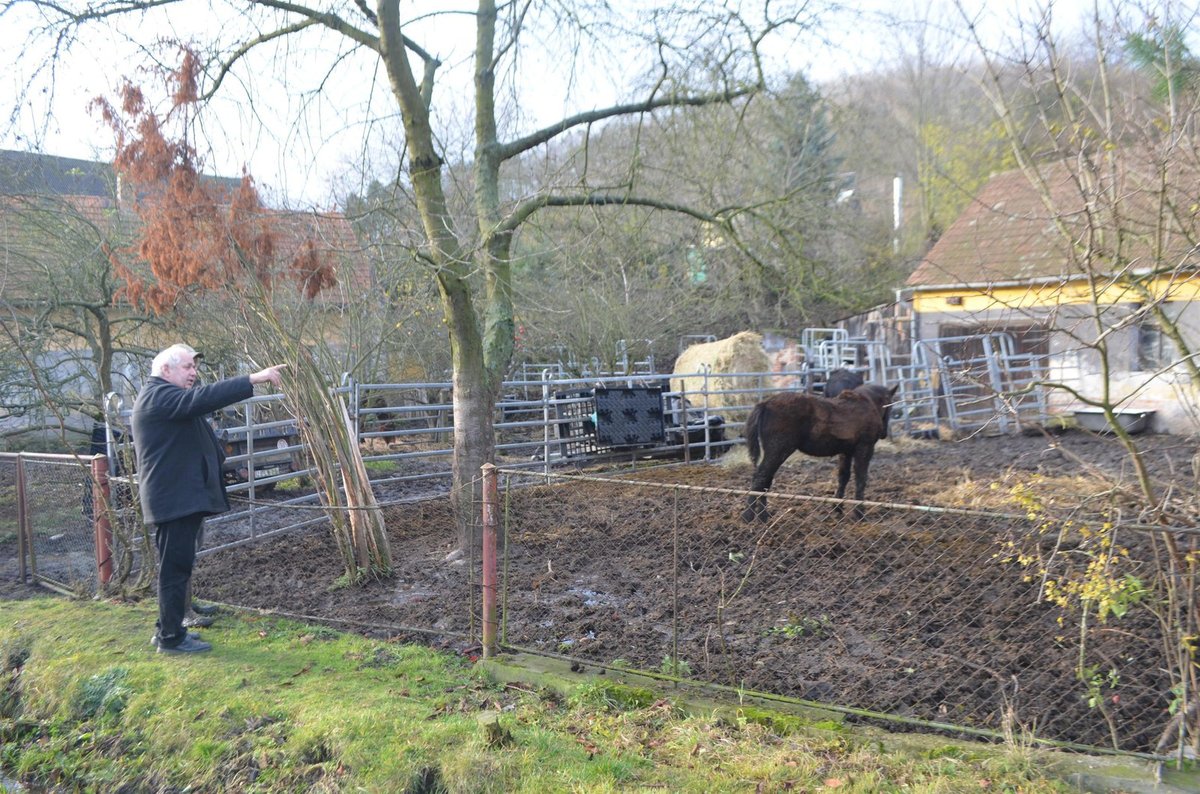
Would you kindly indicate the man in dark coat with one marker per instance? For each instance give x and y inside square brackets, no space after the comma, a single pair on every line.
[179,474]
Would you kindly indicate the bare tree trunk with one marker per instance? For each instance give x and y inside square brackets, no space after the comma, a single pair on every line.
[474,437]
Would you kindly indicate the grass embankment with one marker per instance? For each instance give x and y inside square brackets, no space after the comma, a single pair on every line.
[85,705]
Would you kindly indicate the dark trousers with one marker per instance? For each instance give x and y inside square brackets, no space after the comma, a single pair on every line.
[176,543]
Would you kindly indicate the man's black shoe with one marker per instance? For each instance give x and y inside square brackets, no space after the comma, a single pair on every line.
[154,638]
[198,622]
[189,645]
[205,609]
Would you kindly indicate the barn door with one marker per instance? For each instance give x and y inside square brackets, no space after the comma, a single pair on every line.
[986,379]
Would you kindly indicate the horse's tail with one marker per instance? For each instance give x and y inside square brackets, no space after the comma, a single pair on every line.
[751,431]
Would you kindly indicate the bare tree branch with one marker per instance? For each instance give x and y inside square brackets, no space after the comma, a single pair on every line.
[534,139]
[228,63]
[92,13]
[526,208]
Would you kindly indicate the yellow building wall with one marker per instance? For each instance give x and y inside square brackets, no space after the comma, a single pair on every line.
[1032,296]
[1170,394]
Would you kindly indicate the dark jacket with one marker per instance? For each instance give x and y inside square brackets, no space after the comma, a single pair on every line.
[178,456]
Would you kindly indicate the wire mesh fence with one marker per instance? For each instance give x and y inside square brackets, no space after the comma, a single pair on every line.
[13,559]
[922,615]
[256,517]
[53,519]
[431,595]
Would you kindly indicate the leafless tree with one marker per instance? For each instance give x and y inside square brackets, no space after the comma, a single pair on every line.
[1107,138]
[684,55]
[68,338]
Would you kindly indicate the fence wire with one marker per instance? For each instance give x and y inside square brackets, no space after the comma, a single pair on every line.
[907,613]
[918,614]
[431,596]
[60,529]
[13,560]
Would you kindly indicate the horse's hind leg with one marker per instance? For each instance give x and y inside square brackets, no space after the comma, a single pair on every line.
[844,462]
[764,475]
[862,463]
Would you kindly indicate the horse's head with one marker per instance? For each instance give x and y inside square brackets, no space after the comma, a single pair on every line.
[882,397]
[842,380]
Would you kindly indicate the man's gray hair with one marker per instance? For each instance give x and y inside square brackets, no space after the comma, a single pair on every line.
[172,356]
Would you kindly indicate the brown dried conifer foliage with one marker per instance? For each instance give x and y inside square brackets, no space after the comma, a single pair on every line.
[195,234]
[311,271]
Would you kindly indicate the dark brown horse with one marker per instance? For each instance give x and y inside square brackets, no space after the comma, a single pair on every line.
[847,425]
[841,380]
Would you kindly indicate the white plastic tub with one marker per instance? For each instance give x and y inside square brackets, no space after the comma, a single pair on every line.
[1094,420]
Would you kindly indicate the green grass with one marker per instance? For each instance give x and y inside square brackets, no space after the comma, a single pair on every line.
[279,706]
[381,466]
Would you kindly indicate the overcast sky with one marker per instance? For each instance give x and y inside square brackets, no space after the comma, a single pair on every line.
[308,164]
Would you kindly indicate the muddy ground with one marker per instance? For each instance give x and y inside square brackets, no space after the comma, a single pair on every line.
[902,612]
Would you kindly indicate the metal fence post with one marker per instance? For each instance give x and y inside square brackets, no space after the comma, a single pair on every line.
[546,424]
[249,415]
[683,420]
[101,526]
[675,584]
[24,542]
[490,518]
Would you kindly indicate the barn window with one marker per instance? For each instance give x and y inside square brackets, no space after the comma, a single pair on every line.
[1155,349]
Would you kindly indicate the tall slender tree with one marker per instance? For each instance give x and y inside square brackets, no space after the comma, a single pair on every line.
[1114,158]
[679,54]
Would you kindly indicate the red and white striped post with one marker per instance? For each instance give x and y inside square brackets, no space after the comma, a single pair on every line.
[101,527]
[491,502]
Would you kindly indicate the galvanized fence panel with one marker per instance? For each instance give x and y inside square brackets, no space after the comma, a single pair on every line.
[542,424]
[915,410]
[254,518]
[981,383]
[406,430]
[911,614]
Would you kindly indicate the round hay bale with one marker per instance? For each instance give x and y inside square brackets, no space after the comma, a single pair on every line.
[728,361]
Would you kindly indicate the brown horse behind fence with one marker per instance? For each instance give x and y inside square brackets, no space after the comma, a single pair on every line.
[848,425]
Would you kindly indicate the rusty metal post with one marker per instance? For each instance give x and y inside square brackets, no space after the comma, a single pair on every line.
[101,526]
[491,502]
[683,421]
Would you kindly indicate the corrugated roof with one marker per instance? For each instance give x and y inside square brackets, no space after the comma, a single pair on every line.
[1009,233]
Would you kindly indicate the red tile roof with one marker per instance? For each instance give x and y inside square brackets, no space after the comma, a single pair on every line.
[331,234]
[1009,233]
